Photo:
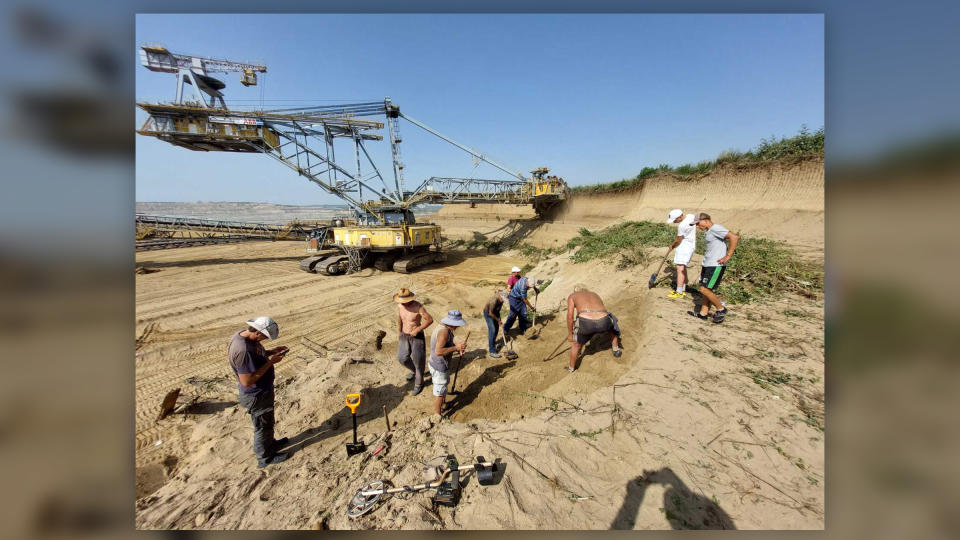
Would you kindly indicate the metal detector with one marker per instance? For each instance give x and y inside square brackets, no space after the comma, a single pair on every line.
[447,486]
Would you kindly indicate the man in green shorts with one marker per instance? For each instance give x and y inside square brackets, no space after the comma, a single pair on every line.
[714,263]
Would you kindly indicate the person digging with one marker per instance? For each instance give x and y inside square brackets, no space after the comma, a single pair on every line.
[491,315]
[591,318]
[412,320]
[685,244]
[253,367]
[714,263]
[519,304]
[442,348]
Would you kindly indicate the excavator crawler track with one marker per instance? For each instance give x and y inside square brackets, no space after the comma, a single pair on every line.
[414,261]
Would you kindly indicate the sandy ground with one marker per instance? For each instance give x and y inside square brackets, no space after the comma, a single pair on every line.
[685,430]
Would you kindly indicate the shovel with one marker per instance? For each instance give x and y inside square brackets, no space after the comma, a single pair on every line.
[653,276]
[453,388]
[557,348]
[353,401]
[509,353]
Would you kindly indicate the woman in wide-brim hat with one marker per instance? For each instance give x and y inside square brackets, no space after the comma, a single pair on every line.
[412,319]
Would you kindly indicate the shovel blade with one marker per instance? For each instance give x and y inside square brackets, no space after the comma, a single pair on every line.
[653,281]
[354,449]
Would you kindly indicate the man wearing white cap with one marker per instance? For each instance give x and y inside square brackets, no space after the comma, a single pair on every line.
[685,244]
[253,367]
[519,304]
[514,277]
[442,348]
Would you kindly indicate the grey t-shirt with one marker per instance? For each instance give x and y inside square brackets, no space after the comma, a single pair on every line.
[247,357]
[716,247]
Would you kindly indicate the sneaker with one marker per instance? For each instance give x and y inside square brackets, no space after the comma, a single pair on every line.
[416,390]
[697,315]
[409,376]
[719,315]
[676,294]
[493,355]
[617,352]
[279,457]
[570,369]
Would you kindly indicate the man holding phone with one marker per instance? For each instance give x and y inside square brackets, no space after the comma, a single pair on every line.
[253,367]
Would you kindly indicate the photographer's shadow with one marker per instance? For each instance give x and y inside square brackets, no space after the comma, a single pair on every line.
[683,508]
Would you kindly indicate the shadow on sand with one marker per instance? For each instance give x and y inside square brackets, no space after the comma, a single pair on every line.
[682,508]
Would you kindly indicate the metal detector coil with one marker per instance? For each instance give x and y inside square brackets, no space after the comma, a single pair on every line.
[485,471]
[366,498]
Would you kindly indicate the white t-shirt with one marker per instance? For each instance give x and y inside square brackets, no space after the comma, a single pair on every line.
[688,230]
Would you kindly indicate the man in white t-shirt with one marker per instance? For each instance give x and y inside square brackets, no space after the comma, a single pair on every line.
[685,245]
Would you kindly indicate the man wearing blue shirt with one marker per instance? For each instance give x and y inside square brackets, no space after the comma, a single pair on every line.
[519,303]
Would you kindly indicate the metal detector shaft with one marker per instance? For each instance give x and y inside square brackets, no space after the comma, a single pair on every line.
[426,485]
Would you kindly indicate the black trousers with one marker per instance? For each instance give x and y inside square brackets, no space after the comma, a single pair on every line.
[260,407]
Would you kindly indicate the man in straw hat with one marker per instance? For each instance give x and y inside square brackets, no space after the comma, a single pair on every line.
[253,367]
[442,348]
[412,319]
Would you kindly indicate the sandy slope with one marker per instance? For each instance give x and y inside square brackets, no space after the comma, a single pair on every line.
[676,433]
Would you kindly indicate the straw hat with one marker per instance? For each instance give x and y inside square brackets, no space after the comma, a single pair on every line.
[405,295]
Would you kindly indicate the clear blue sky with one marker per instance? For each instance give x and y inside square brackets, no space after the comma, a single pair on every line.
[594,97]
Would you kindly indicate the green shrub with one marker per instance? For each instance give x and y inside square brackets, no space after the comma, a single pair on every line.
[760,268]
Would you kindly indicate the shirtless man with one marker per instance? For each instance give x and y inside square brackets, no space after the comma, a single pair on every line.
[592,318]
[412,319]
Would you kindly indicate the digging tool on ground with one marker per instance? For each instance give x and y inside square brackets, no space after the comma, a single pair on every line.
[453,388]
[535,335]
[653,276]
[510,353]
[555,349]
[354,448]
[369,496]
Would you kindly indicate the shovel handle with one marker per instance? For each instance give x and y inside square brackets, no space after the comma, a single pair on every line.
[353,401]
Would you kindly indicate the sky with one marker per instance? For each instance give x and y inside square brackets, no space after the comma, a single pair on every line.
[594,97]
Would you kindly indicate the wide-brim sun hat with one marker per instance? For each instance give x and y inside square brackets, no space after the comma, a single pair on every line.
[515,269]
[453,318]
[405,295]
[674,214]
[266,326]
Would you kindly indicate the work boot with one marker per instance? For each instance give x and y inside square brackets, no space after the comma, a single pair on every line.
[279,457]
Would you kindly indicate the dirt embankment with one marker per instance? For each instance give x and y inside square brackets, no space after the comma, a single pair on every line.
[697,425]
[775,201]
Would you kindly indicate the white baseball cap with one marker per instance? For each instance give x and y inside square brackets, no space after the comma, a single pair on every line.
[515,269]
[674,214]
[266,326]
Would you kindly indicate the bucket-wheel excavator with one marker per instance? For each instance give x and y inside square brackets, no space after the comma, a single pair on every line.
[383,231]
